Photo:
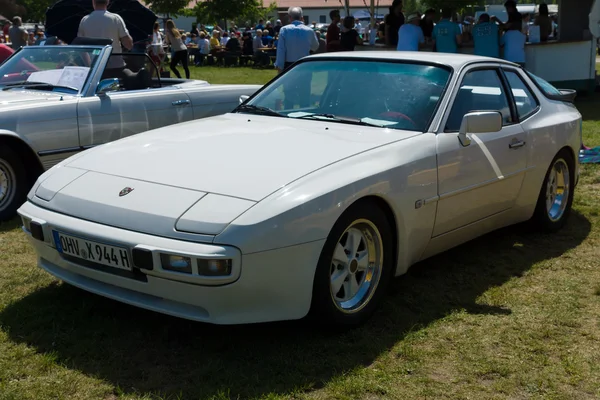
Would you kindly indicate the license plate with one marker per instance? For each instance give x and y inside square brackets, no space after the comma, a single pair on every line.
[96,252]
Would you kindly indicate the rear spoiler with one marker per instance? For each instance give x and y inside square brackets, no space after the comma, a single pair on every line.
[566,95]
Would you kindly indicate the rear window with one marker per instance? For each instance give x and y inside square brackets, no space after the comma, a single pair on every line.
[544,86]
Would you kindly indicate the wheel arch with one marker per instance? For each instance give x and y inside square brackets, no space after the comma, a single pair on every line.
[31,161]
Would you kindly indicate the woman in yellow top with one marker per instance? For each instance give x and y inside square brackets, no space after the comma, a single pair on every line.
[215,43]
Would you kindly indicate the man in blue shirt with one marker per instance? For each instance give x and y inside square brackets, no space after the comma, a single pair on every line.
[410,35]
[296,41]
[486,36]
[446,34]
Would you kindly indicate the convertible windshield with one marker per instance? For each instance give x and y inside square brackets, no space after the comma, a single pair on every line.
[61,68]
[359,92]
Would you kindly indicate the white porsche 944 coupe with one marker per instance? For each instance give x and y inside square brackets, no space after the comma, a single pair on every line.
[309,199]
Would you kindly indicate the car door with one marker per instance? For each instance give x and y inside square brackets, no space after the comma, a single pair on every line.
[482,178]
[114,115]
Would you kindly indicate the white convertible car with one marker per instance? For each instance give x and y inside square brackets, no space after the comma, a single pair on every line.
[308,199]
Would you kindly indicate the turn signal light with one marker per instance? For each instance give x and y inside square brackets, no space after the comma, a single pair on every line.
[214,267]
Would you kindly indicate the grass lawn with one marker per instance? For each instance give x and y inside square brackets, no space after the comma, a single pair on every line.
[230,75]
[510,315]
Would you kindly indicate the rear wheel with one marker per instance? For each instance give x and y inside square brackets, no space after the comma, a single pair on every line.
[556,196]
[354,268]
[13,182]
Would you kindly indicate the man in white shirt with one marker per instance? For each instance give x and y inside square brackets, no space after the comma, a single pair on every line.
[296,40]
[103,24]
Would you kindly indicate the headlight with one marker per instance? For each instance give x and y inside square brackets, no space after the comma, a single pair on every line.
[206,267]
[175,263]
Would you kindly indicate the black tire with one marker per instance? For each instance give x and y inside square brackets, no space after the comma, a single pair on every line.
[541,219]
[13,179]
[324,308]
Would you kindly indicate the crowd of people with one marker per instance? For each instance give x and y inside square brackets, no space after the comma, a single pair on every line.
[15,34]
[489,35]
[277,46]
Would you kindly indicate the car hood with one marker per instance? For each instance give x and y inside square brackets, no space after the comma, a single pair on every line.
[239,155]
[198,176]
[17,98]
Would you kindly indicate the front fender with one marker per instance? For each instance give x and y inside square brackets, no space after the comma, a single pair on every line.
[304,211]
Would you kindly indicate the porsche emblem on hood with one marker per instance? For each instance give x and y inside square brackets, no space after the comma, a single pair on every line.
[125,191]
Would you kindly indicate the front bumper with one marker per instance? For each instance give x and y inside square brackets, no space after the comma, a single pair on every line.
[273,285]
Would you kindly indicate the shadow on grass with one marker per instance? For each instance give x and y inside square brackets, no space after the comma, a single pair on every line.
[144,352]
[13,224]
[587,104]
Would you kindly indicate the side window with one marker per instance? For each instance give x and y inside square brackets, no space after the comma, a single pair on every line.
[524,99]
[480,90]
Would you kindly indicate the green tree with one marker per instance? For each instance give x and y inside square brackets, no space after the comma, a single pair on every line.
[35,10]
[218,10]
[170,7]
[9,9]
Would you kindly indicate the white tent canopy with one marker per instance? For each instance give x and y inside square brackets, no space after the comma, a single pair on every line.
[364,14]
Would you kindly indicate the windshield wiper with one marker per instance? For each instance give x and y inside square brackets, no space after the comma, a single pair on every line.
[29,84]
[342,119]
[258,110]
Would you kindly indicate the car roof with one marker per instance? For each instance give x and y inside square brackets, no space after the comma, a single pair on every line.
[456,61]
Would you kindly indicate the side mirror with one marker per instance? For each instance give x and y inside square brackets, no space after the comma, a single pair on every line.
[243,98]
[108,85]
[479,122]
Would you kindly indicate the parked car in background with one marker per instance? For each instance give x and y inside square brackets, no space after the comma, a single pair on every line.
[306,199]
[56,101]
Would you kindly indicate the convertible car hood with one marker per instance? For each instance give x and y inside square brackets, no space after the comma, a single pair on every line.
[9,99]
[238,155]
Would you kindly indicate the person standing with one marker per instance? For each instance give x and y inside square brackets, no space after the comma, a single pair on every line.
[446,34]
[17,34]
[486,37]
[410,35]
[544,22]
[179,52]
[333,32]
[277,27]
[393,21]
[427,23]
[513,42]
[103,24]
[296,41]
[350,37]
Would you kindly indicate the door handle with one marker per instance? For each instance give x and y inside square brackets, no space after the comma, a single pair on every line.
[180,102]
[515,144]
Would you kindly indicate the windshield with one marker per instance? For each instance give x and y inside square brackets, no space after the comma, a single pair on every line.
[378,93]
[60,68]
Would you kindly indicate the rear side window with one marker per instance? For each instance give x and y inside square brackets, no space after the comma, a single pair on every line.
[544,86]
[524,99]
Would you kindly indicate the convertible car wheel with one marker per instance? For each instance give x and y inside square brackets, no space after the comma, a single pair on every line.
[354,268]
[12,176]
[556,196]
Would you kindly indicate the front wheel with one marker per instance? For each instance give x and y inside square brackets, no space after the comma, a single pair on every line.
[12,183]
[354,268]
[556,196]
